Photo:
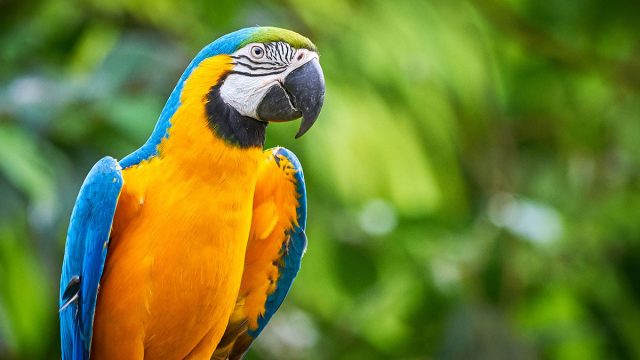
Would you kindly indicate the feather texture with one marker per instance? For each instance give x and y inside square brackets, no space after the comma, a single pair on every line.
[85,254]
[276,245]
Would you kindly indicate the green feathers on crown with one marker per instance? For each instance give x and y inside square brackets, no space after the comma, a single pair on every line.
[267,34]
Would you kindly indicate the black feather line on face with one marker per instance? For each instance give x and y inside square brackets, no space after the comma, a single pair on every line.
[281,49]
[269,48]
[256,75]
[228,124]
[252,67]
[245,57]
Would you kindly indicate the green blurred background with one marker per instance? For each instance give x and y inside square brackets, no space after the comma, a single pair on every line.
[474,178]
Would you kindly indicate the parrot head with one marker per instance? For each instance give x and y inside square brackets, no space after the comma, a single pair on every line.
[276,76]
[243,81]
[256,76]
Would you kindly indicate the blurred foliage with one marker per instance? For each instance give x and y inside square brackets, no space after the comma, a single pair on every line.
[474,178]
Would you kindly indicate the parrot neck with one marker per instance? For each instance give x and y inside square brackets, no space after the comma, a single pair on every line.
[192,146]
[227,123]
[196,106]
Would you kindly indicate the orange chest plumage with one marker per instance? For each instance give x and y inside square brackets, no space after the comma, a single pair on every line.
[177,255]
[178,244]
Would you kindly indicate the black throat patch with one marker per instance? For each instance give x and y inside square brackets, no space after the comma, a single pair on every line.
[230,125]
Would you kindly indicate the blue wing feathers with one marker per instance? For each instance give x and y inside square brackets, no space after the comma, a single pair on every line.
[293,249]
[85,254]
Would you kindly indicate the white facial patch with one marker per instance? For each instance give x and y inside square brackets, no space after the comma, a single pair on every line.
[257,67]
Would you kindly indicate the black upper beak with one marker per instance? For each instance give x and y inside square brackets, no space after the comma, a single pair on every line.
[300,95]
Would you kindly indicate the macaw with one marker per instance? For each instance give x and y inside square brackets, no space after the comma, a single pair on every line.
[187,247]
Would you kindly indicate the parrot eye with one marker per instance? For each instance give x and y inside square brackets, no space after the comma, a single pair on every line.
[257,52]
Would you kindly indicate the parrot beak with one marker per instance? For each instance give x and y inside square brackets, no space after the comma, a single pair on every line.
[301,94]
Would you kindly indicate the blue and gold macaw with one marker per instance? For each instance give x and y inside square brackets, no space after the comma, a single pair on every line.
[188,246]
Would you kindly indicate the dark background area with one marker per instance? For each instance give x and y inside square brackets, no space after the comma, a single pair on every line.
[473,179]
